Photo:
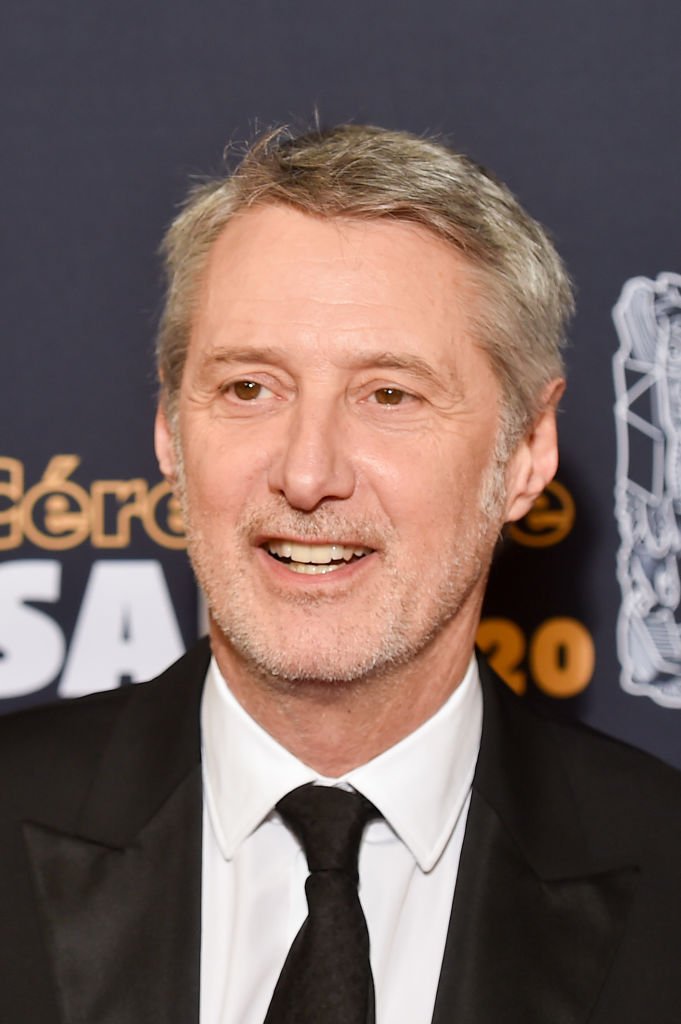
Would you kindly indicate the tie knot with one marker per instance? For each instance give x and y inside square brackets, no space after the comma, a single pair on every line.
[329,823]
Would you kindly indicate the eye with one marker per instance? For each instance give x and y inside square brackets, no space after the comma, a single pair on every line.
[248,390]
[389,396]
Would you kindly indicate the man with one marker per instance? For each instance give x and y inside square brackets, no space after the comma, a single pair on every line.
[360,367]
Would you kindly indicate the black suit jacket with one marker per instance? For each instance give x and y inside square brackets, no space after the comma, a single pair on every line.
[568,900]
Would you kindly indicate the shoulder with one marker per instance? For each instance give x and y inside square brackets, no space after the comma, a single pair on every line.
[622,797]
[584,749]
[55,749]
[630,795]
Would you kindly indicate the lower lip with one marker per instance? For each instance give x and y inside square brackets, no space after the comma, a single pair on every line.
[343,573]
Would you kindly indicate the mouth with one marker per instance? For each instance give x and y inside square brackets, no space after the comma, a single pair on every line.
[314,559]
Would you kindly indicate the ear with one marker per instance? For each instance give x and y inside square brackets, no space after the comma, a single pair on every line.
[535,460]
[165,445]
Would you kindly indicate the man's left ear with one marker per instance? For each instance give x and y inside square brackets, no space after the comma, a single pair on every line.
[535,460]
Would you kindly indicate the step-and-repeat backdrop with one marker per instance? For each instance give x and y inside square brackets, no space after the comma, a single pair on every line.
[109,109]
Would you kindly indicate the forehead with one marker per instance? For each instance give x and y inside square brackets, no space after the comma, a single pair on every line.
[275,267]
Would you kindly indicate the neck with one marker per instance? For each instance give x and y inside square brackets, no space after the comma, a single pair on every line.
[337,726]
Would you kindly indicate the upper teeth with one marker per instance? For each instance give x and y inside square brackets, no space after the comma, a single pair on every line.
[314,554]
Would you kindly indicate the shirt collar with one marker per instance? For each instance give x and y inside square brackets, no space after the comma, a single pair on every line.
[420,785]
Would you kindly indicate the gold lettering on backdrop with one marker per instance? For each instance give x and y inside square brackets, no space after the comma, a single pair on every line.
[560,654]
[562,657]
[549,520]
[114,504]
[503,642]
[162,506]
[56,513]
[11,490]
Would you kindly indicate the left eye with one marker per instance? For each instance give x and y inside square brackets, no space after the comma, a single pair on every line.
[389,396]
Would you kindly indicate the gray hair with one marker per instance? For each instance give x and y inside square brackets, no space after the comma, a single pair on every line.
[524,292]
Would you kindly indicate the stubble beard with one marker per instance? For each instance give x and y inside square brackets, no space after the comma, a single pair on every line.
[406,616]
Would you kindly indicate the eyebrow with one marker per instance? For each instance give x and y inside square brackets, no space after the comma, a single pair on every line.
[248,354]
[396,361]
[385,360]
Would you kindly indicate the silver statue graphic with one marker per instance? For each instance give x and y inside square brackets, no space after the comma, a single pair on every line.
[647,370]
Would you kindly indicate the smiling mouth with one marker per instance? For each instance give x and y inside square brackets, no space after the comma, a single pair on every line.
[314,559]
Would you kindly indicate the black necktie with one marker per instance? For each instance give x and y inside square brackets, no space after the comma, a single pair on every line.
[326,978]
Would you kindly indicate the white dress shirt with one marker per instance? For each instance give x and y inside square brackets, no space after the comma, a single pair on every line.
[254,870]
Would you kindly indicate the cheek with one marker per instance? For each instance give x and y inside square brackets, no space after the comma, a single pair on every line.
[220,477]
[420,487]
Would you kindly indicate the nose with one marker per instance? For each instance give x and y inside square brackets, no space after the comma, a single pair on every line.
[313,462]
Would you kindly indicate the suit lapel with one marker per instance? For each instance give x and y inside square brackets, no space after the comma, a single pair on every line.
[538,909]
[120,888]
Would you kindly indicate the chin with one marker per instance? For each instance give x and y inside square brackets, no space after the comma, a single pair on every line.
[299,653]
[300,662]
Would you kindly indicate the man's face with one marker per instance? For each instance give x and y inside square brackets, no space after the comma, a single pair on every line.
[333,445]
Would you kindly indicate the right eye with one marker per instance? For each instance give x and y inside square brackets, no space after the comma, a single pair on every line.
[248,390]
